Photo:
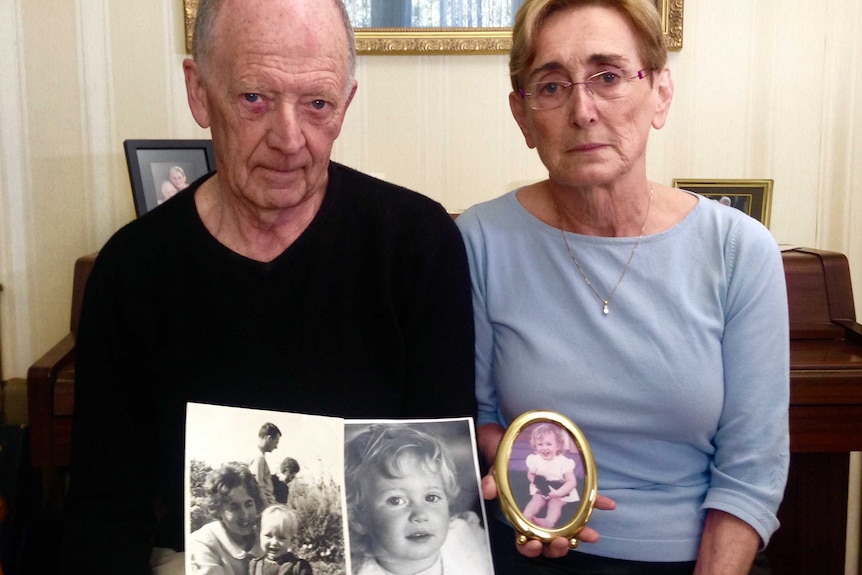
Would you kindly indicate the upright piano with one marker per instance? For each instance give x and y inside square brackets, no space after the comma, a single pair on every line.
[825,413]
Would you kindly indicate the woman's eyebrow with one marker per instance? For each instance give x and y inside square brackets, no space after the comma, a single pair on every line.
[552,66]
[598,58]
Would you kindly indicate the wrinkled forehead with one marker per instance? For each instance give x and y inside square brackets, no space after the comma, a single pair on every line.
[584,35]
[291,30]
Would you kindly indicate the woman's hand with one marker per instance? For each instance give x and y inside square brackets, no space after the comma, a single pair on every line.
[559,546]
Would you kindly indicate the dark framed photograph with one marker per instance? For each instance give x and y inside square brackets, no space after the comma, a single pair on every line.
[754,197]
[158,169]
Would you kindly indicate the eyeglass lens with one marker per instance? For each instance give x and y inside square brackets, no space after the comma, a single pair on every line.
[608,84]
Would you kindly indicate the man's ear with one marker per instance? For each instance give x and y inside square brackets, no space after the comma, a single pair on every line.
[664,89]
[196,93]
[352,93]
[519,111]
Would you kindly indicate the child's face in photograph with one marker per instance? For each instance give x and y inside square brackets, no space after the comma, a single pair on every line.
[274,538]
[239,513]
[547,446]
[407,518]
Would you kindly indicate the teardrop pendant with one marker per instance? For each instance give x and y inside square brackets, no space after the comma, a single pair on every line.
[605,309]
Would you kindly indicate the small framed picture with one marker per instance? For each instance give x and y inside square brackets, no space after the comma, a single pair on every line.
[754,197]
[158,169]
[546,477]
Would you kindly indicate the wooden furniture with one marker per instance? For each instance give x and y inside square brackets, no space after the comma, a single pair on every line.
[825,413]
[50,393]
[825,410]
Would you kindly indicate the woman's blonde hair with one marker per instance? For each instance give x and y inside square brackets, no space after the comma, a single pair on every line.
[641,14]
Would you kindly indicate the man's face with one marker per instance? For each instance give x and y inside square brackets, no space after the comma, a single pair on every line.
[274,97]
[272,443]
[588,140]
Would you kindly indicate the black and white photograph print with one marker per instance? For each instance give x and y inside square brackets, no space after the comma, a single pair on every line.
[413,499]
[264,489]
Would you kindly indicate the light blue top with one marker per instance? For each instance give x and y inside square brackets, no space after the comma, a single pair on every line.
[682,390]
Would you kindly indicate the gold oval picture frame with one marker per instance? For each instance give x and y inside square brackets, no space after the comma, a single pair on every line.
[540,454]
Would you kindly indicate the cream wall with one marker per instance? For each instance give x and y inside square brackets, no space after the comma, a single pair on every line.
[766,89]
[763,90]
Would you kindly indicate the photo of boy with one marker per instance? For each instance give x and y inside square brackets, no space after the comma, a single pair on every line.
[401,486]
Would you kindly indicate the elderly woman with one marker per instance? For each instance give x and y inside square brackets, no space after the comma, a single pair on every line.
[654,319]
[227,545]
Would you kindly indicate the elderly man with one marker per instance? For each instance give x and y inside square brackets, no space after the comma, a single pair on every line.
[296,284]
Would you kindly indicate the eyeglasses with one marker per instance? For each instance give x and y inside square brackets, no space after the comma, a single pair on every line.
[608,84]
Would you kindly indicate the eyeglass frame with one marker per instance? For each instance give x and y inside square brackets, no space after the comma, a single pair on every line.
[640,75]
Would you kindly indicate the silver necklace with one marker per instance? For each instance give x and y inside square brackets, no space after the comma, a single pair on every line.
[606,302]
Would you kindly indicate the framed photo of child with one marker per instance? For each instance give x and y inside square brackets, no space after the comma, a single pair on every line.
[546,477]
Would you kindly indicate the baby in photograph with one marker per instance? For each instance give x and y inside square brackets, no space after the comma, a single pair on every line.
[401,483]
[278,527]
[551,475]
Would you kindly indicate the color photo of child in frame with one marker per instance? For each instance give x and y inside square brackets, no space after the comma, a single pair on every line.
[546,474]
[411,508]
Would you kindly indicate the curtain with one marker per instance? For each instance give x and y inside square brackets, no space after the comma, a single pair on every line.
[432,13]
[391,13]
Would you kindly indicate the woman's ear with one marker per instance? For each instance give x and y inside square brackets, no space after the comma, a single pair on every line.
[519,111]
[664,89]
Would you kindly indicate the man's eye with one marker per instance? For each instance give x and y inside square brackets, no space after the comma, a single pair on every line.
[318,104]
[252,98]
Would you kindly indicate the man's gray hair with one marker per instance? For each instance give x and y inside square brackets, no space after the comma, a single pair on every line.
[202,40]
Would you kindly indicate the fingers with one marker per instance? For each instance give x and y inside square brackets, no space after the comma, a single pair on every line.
[559,546]
[489,486]
[587,535]
[555,549]
[532,548]
[605,503]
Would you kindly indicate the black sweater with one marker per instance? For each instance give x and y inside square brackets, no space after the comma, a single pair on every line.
[368,314]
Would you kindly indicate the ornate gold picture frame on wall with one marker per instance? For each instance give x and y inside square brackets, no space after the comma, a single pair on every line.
[482,40]
[753,197]
[546,477]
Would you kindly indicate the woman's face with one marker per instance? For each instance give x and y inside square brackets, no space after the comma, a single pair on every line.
[239,513]
[589,141]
